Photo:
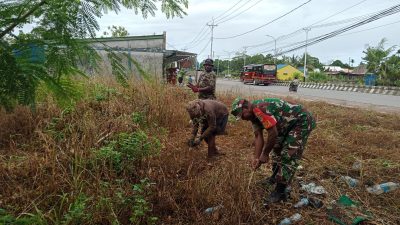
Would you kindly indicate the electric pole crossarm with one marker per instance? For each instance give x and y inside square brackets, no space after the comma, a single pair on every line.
[212,25]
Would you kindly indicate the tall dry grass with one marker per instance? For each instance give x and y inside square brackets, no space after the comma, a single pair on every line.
[46,161]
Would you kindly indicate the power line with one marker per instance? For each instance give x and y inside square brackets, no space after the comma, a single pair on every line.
[238,35]
[228,9]
[200,41]
[240,12]
[372,28]
[390,11]
[313,26]
[204,48]
[339,12]
[197,36]
[220,19]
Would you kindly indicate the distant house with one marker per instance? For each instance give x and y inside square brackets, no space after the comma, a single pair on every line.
[287,72]
[360,70]
[336,70]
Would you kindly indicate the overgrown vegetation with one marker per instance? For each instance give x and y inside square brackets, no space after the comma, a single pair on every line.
[56,50]
[123,159]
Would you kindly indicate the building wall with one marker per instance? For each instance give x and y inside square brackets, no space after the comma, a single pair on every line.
[151,63]
[146,50]
[287,73]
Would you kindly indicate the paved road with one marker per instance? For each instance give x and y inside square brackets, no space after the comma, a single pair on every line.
[386,103]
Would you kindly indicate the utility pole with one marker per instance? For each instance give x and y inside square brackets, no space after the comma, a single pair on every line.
[305,53]
[212,36]
[229,60]
[274,48]
[218,65]
[244,55]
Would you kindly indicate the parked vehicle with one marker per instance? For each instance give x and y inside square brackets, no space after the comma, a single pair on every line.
[294,84]
[259,74]
[249,72]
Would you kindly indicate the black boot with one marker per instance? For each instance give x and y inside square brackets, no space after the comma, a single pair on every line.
[272,179]
[279,194]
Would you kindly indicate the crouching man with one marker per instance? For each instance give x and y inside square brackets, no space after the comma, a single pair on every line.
[288,127]
[212,117]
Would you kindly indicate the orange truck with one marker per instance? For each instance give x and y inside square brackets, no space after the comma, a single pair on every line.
[259,74]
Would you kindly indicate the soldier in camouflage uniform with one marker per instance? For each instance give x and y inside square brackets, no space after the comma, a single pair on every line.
[206,84]
[212,117]
[288,126]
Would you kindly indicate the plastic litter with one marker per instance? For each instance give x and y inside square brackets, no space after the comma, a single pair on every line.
[346,211]
[316,203]
[213,209]
[357,165]
[313,188]
[383,188]
[301,203]
[352,182]
[294,218]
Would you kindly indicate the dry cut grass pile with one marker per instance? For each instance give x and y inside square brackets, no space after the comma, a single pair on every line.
[46,162]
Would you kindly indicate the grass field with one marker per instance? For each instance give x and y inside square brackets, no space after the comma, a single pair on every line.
[87,164]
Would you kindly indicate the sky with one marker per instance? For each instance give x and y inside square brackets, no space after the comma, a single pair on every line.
[272,17]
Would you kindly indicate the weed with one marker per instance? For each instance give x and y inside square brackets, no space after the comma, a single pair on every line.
[141,207]
[138,118]
[109,155]
[26,219]
[76,213]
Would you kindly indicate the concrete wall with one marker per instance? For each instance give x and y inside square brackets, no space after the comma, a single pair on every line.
[151,62]
[346,87]
[146,50]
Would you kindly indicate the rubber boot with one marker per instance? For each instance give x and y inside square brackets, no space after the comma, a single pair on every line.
[277,195]
[272,179]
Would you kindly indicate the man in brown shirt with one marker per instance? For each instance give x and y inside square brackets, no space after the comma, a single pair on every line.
[207,82]
[212,116]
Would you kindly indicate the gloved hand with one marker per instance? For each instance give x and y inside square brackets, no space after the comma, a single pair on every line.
[193,87]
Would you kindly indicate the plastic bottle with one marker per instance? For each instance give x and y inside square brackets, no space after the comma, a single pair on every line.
[383,188]
[316,203]
[213,209]
[302,202]
[350,181]
[296,217]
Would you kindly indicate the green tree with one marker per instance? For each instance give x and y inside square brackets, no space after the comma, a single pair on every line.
[340,64]
[376,57]
[116,31]
[50,53]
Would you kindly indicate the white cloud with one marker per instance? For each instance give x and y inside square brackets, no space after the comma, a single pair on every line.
[181,31]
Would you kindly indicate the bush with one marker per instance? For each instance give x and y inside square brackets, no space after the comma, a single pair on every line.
[318,77]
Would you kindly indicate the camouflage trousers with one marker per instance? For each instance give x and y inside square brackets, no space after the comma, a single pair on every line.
[289,148]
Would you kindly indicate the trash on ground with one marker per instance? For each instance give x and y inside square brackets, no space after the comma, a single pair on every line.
[213,209]
[313,188]
[294,218]
[352,182]
[345,211]
[316,203]
[383,188]
[357,165]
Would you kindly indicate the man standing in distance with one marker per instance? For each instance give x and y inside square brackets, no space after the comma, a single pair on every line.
[206,84]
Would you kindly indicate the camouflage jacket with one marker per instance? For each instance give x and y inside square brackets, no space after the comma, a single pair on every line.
[285,114]
[207,80]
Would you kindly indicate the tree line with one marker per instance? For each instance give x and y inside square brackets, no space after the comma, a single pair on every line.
[379,60]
